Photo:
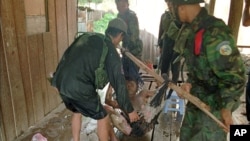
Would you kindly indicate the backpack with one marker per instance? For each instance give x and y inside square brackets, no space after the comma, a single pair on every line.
[101,77]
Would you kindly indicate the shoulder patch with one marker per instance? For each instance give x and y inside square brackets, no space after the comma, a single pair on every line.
[224,48]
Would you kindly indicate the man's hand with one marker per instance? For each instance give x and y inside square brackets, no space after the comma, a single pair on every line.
[133,116]
[186,87]
[226,117]
[112,103]
[123,50]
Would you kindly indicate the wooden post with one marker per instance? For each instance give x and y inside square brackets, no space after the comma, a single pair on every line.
[211,7]
[235,17]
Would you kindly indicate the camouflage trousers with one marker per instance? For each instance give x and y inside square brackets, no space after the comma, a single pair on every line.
[197,126]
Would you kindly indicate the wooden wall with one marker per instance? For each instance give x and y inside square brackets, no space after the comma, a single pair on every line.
[26,60]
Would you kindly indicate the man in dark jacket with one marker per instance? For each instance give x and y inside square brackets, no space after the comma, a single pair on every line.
[216,73]
[87,65]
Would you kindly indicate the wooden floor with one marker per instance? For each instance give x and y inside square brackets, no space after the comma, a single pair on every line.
[56,126]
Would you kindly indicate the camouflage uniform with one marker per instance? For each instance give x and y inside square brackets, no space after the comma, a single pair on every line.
[133,43]
[217,75]
[166,19]
[166,41]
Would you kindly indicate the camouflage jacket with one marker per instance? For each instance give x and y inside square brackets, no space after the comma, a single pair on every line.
[165,21]
[132,42]
[75,74]
[215,68]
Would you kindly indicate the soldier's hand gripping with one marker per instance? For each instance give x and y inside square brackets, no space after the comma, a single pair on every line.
[226,117]
[133,116]
[186,87]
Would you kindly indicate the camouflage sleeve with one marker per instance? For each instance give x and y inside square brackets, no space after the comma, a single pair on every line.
[181,39]
[165,22]
[161,31]
[133,28]
[226,63]
[134,44]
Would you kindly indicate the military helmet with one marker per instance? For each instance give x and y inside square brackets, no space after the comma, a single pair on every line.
[118,23]
[181,2]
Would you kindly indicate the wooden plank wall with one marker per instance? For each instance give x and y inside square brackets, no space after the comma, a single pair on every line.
[62,33]
[72,20]
[13,95]
[26,96]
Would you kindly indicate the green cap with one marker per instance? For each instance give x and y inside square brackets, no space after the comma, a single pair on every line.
[181,2]
[118,23]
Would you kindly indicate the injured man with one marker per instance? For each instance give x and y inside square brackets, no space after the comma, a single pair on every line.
[140,101]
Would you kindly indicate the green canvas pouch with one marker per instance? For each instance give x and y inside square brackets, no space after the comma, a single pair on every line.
[101,77]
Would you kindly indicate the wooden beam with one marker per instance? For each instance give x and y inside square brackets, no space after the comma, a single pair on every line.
[49,55]
[53,100]
[7,125]
[2,73]
[211,7]
[72,20]
[20,24]
[35,72]
[51,7]
[9,19]
[41,51]
[61,25]
[235,15]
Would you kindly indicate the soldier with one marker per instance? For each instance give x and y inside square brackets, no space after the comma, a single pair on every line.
[216,73]
[165,21]
[168,30]
[132,42]
[87,65]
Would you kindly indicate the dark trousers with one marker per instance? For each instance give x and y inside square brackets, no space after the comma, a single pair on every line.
[167,60]
[131,70]
[248,98]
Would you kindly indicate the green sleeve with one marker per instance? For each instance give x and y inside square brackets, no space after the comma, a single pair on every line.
[226,63]
[134,43]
